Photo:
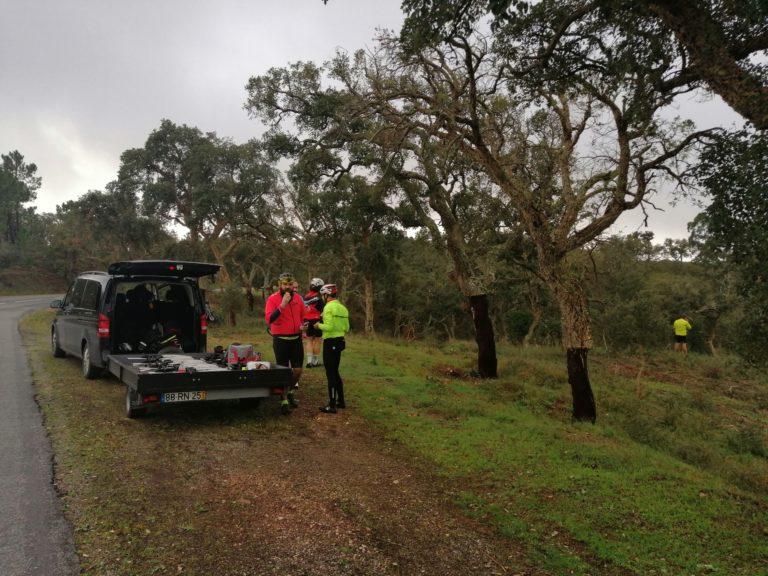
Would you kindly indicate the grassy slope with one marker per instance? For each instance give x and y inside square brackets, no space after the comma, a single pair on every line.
[17,280]
[672,480]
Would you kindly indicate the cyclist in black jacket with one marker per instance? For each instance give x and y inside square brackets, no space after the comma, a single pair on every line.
[314,303]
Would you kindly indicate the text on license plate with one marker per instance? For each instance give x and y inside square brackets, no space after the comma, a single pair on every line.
[183,396]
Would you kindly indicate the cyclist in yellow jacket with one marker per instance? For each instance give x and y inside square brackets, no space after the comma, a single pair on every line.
[334,325]
[682,325]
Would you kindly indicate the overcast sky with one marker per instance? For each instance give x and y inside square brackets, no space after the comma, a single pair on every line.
[81,81]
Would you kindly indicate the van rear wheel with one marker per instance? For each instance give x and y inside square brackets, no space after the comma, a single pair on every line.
[90,371]
[55,349]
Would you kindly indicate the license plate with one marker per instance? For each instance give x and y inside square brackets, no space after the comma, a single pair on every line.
[183,396]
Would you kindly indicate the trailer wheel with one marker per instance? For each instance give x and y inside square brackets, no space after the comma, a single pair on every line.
[131,401]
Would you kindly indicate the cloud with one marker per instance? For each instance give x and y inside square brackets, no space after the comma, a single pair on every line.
[71,166]
[83,80]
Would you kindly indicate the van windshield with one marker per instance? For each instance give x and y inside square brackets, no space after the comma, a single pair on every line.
[150,311]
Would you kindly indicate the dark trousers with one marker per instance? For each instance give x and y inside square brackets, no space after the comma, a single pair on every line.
[332,349]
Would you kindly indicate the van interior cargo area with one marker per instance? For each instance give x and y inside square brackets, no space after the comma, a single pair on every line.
[148,313]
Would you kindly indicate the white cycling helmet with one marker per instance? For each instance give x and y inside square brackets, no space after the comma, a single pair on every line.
[329,290]
[315,284]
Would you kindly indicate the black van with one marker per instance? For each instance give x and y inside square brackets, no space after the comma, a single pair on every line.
[119,310]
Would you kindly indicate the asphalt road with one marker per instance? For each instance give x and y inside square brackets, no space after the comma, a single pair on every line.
[35,539]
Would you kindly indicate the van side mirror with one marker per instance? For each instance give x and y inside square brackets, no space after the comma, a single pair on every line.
[57,304]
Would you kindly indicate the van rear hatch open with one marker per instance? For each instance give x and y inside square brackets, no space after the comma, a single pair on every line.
[172,268]
[151,308]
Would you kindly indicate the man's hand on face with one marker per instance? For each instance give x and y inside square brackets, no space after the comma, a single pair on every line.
[287,297]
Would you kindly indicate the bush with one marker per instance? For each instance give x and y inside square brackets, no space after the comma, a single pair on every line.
[518,322]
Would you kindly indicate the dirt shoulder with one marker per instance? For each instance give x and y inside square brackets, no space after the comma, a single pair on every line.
[227,491]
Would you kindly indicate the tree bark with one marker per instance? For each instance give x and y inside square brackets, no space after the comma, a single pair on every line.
[222,255]
[218,255]
[713,318]
[474,287]
[698,30]
[265,288]
[535,322]
[577,340]
[368,304]
[711,344]
[471,284]
[534,301]
[487,364]
[581,389]
[247,278]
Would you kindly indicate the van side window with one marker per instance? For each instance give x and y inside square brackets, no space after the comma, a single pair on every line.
[91,295]
[68,297]
[77,293]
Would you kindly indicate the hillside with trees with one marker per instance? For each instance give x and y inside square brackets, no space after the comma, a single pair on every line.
[461,184]
[517,401]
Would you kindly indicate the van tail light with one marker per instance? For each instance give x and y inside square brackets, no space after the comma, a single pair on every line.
[203,324]
[103,326]
[150,398]
[277,391]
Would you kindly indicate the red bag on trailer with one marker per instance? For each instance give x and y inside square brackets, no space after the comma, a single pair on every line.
[238,355]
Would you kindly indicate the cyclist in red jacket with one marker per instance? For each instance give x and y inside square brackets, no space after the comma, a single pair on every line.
[285,313]
[314,303]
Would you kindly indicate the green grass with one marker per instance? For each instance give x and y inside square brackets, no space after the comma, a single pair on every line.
[672,480]
[135,491]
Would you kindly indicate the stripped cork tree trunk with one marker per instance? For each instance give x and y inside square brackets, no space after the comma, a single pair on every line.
[487,365]
[576,338]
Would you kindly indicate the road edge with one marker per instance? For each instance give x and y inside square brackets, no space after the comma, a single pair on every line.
[71,555]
